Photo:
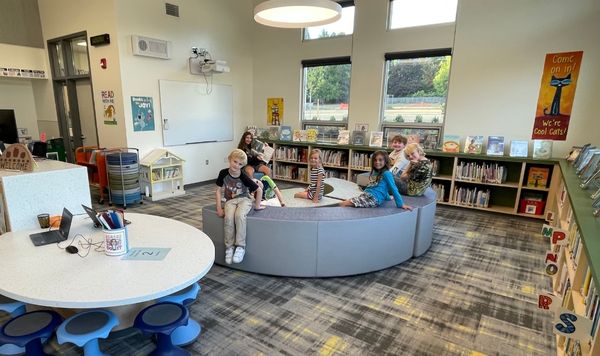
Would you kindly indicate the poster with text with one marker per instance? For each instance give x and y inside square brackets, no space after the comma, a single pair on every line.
[108,104]
[142,113]
[557,91]
[274,111]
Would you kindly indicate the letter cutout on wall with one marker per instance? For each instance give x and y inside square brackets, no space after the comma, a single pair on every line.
[549,302]
[569,324]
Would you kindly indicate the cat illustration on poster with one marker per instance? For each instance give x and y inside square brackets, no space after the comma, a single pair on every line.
[559,83]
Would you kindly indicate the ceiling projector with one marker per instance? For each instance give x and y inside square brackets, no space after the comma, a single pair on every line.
[215,66]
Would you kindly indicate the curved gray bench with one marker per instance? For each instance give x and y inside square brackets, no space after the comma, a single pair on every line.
[329,241]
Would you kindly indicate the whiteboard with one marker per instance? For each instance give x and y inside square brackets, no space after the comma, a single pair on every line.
[191,115]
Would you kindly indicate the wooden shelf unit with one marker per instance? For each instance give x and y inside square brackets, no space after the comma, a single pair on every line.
[161,175]
[505,197]
[572,207]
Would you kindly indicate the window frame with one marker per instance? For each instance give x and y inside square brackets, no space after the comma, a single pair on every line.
[390,56]
[343,4]
[308,63]
[390,13]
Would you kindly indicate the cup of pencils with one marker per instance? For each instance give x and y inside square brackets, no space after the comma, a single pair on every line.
[115,233]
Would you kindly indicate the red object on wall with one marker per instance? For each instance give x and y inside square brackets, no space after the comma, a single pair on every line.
[103,63]
[534,207]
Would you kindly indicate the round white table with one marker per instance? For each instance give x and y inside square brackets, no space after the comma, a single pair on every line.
[50,276]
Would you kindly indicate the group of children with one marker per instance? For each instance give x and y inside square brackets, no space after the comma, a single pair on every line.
[404,171]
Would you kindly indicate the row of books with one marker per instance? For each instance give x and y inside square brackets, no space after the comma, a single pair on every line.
[288,153]
[440,191]
[481,172]
[435,166]
[476,197]
[361,160]
[332,173]
[286,171]
[542,149]
[158,174]
[334,157]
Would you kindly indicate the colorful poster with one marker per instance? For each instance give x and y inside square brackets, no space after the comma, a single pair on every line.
[557,92]
[274,111]
[108,103]
[142,112]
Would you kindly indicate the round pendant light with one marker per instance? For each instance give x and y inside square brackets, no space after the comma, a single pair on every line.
[297,13]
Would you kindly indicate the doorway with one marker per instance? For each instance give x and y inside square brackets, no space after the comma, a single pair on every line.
[73,92]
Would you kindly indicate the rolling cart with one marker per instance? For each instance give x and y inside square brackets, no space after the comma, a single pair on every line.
[93,158]
[123,175]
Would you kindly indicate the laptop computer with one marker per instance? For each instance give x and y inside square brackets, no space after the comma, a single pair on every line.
[93,215]
[54,236]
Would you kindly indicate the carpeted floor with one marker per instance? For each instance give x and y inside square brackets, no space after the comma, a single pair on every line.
[474,292]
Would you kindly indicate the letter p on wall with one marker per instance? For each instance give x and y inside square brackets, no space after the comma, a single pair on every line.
[559,237]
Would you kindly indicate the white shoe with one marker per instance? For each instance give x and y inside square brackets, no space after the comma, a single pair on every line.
[228,255]
[238,256]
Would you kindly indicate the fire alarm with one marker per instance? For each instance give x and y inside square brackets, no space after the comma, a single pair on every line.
[103,63]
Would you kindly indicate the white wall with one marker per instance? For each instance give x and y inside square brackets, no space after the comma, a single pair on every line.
[498,60]
[65,17]
[224,28]
[17,94]
[278,53]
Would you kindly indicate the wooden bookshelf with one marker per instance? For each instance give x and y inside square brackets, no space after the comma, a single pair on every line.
[505,197]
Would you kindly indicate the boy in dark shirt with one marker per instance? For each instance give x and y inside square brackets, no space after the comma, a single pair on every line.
[236,186]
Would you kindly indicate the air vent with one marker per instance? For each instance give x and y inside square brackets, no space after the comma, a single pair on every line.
[172,9]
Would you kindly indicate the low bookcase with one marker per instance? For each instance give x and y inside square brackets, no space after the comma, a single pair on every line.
[516,186]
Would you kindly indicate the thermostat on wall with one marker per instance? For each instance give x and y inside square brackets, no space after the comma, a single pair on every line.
[100,40]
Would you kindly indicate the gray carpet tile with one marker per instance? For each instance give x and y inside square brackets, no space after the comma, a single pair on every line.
[473,293]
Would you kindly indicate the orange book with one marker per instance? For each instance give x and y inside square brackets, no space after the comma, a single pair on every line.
[538,177]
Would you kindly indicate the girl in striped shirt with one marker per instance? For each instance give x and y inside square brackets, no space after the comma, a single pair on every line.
[316,188]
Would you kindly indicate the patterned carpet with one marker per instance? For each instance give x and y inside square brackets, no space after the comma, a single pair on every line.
[474,292]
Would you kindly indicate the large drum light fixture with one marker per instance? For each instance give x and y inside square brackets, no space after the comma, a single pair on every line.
[297,13]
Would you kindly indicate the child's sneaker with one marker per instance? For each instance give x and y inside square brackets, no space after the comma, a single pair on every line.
[228,255]
[238,256]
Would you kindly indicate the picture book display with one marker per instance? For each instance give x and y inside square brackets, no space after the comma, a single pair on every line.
[376,139]
[273,132]
[519,148]
[359,137]
[297,135]
[538,177]
[414,138]
[451,143]
[285,133]
[343,137]
[311,135]
[495,146]
[542,149]
[473,144]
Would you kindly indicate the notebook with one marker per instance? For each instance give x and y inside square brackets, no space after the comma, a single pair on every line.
[54,236]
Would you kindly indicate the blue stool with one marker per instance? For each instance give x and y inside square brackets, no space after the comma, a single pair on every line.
[185,335]
[14,308]
[162,319]
[258,175]
[84,330]
[28,329]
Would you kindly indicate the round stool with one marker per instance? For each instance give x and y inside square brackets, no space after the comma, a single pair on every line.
[162,319]
[185,335]
[14,308]
[28,329]
[84,330]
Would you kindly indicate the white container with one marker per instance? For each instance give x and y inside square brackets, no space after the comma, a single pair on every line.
[115,242]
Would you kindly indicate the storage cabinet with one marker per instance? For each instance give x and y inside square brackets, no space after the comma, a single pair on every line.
[576,281]
[161,175]
[509,185]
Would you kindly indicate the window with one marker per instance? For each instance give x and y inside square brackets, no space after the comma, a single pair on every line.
[342,27]
[412,13]
[326,88]
[416,86]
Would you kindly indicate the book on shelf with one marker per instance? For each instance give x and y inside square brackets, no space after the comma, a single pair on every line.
[585,159]
[311,135]
[582,153]
[473,144]
[285,133]
[252,130]
[343,137]
[538,177]
[273,132]
[413,138]
[376,139]
[297,135]
[495,146]
[451,143]
[435,166]
[574,153]
[439,191]
[262,133]
[359,138]
[481,172]
[542,149]
[475,197]
[591,167]
[519,148]
[304,135]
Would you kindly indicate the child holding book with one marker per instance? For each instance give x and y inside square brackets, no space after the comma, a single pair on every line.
[397,158]
[416,178]
[269,189]
[316,189]
[381,182]
[249,145]
[235,187]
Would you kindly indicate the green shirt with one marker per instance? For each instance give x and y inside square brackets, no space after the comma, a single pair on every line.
[268,187]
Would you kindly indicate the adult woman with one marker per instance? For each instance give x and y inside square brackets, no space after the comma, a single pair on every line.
[249,145]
